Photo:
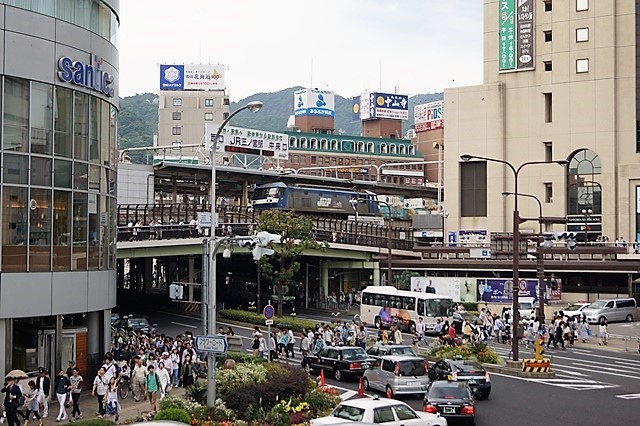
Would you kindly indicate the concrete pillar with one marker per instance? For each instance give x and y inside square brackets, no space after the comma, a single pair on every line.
[244,201]
[5,355]
[376,274]
[93,333]
[147,272]
[106,326]
[324,283]
[192,276]
[57,363]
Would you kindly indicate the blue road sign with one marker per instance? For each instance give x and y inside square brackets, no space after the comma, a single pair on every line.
[268,312]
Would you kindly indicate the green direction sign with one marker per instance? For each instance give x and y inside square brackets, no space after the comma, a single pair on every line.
[507,35]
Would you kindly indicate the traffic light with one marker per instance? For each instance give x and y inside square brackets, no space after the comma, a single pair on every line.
[539,348]
[258,252]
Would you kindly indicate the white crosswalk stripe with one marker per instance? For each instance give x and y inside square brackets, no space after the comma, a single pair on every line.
[575,384]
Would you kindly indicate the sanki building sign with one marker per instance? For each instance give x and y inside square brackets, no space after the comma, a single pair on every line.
[90,76]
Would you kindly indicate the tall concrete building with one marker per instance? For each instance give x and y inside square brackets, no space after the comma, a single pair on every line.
[561,81]
[59,90]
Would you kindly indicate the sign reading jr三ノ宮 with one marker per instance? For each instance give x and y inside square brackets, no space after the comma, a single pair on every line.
[516,35]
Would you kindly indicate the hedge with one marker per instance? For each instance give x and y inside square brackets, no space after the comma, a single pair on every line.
[174,414]
[257,319]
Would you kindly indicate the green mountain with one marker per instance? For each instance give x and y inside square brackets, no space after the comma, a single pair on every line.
[138,119]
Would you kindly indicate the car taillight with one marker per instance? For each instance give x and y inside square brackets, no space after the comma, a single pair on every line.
[396,370]
[487,377]
[428,408]
[355,365]
[468,410]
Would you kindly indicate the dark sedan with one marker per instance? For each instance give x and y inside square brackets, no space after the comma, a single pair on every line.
[463,370]
[339,361]
[134,323]
[452,400]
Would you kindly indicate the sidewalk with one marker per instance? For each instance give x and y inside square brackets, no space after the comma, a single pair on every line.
[89,406]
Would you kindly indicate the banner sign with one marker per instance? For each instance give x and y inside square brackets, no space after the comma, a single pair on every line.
[428,116]
[500,290]
[516,35]
[248,141]
[386,105]
[192,77]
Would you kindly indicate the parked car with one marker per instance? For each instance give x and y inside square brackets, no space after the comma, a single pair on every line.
[380,349]
[134,323]
[624,309]
[453,400]
[463,370]
[397,374]
[339,361]
[389,412]
[526,307]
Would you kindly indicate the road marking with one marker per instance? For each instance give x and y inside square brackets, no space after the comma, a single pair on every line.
[575,384]
[608,358]
[183,324]
[585,351]
[629,396]
[573,373]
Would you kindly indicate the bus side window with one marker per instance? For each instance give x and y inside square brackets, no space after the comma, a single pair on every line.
[420,307]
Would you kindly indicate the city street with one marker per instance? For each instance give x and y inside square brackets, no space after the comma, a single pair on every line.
[592,386]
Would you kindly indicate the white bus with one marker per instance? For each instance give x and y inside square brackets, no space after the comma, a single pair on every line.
[386,306]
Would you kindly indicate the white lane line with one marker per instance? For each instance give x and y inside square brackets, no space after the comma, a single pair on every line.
[576,384]
[629,396]
[585,351]
[600,367]
[183,324]
[590,370]
[609,358]
[573,373]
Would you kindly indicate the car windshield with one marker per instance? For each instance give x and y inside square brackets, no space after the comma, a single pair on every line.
[402,350]
[574,308]
[468,366]
[348,412]
[138,322]
[412,368]
[598,304]
[354,354]
[526,305]
[448,392]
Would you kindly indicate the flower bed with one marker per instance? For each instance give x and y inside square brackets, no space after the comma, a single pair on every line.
[255,393]
[478,351]
[257,319]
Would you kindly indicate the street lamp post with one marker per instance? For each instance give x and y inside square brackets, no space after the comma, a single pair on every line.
[539,257]
[587,214]
[389,245]
[445,215]
[516,238]
[253,106]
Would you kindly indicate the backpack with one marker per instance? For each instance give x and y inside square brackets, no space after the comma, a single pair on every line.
[19,401]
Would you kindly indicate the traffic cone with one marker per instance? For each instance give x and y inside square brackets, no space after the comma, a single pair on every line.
[360,388]
[322,381]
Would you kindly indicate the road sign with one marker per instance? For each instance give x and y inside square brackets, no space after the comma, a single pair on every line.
[215,344]
[268,312]
[522,285]
[268,322]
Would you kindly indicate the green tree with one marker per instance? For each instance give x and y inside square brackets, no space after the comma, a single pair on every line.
[296,236]
[404,282]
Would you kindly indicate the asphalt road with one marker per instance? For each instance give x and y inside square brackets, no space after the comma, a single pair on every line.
[591,386]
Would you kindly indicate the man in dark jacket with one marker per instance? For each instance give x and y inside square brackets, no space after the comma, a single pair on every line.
[12,395]
[43,384]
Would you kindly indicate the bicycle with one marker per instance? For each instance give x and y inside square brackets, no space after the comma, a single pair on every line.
[124,386]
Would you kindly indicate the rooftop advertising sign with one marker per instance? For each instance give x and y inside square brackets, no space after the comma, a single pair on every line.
[428,116]
[314,102]
[192,77]
[516,35]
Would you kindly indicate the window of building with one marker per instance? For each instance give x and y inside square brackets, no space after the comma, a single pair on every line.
[582,65]
[293,142]
[473,189]
[334,145]
[370,147]
[582,35]
[383,148]
[314,159]
[16,115]
[547,36]
[340,161]
[304,143]
[548,107]
[548,65]
[548,5]
[548,151]
[225,101]
[176,130]
[412,150]
[176,115]
[225,115]
[582,5]
[177,101]
[208,116]
[14,227]
[360,147]
[392,148]
[42,118]
[208,103]
[403,149]
[314,143]
[548,192]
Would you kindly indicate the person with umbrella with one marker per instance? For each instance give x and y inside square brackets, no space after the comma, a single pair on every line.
[12,400]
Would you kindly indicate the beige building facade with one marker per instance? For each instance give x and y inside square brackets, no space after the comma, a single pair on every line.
[577,102]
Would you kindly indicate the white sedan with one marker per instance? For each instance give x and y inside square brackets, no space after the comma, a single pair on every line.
[391,412]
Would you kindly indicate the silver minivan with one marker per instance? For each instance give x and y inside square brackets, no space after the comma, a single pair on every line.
[397,374]
[624,309]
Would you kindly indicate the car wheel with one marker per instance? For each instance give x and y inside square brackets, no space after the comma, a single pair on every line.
[629,318]
[337,375]
[307,367]
[365,383]
[377,322]
[389,392]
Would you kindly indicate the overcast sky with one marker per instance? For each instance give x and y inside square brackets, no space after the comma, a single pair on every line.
[347,46]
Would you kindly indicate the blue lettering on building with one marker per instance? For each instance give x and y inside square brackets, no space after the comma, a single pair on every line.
[90,76]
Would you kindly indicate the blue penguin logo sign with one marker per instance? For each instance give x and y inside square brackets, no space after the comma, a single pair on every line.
[314,102]
[90,76]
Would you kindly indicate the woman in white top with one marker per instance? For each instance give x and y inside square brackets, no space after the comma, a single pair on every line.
[603,332]
[113,406]
[164,378]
